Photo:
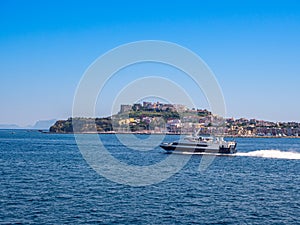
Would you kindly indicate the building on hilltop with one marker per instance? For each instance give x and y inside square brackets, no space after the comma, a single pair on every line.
[125,108]
[180,107]
[137,107]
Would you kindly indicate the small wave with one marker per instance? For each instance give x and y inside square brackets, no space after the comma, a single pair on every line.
[275,154]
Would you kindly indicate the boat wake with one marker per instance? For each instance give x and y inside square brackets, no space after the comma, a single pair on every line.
[272,154]
[275,154]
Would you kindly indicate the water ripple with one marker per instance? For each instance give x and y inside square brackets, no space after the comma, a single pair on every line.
[44,179]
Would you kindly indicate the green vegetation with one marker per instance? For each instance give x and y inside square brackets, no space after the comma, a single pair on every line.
[108,123]
[82,125]
[142,114]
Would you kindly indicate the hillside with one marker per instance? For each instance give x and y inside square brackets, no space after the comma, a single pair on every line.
[164,118]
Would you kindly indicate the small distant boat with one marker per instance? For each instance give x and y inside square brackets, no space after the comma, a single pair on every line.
[197,143]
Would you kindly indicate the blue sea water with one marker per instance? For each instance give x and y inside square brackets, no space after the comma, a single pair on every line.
[45,179]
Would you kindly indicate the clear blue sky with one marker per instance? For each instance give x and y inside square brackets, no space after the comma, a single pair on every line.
[252,46]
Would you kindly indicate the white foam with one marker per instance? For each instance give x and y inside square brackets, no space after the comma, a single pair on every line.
[275,154]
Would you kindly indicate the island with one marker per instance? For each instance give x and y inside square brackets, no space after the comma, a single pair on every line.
[162,118]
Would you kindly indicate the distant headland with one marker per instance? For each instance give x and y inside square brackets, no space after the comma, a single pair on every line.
[161,118]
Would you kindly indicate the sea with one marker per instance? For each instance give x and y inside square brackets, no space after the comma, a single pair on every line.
[49,179]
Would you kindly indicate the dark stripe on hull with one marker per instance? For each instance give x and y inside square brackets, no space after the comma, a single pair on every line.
[174,148]
[187,144]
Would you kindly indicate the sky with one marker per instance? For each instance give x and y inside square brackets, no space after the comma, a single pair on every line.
[253,48]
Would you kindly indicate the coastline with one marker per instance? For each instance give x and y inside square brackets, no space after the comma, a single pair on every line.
[160,133]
